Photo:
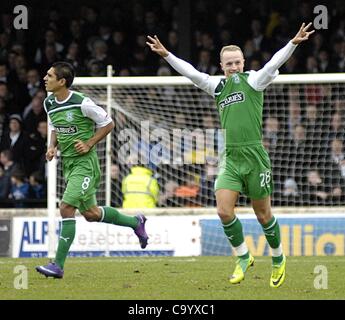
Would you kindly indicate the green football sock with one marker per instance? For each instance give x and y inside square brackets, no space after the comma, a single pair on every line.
[234,232]
[272,234]
[65,240]
[112,216]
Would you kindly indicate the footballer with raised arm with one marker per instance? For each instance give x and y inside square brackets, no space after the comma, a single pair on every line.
[245,165]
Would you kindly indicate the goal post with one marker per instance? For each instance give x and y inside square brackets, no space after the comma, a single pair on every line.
[171,126]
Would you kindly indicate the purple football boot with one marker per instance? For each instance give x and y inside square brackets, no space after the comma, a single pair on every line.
[50,270]
[140,231]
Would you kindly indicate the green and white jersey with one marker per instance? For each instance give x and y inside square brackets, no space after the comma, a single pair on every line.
[240,110]
[75,118]
[239,98]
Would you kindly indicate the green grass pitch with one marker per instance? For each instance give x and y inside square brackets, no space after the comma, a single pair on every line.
[176,278]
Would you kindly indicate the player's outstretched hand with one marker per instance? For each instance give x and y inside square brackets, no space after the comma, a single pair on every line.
[156,46]
[302,34]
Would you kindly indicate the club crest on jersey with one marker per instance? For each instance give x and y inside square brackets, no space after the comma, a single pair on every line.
[236,78]
[232,98]
[69,116]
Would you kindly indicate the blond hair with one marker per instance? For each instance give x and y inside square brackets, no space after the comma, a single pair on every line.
[231,47]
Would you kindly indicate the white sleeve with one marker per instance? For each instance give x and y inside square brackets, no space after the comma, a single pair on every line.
[259,80]
[50,124]
[96,113]
[200,79]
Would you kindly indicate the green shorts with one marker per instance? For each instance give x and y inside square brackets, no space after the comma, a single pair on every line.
[246,169]
[82,175]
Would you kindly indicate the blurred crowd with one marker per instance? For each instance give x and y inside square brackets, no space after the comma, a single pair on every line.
[91,37]
[303,131]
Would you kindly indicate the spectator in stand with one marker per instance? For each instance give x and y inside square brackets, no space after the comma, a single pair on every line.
[272,132]
[259,40]
[324,189]
[173,41]
[49,40]
[20,189]
[140,189]
[4,45]
[167,198]
[37,190]
[33,82]
[188,192]
[5,76]
[104,32]
[290,195]
[41,95]
[325,65]
[90,20]
[119,49]
[255,64]
[339,54]
[9,166]
[291,66]
[36,148]
[99,53]
[293,156]
[295,117]
[36,115]
[336,129]
[316,44]
[337,155]
[312,124]
[49,56]
[312,65]
[75,35]
[314,190]
[204,64]
[8,98]
[15,139]
[207,43]
[3,116]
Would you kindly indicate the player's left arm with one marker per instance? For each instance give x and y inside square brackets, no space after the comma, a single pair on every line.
[104,125]
[260,79]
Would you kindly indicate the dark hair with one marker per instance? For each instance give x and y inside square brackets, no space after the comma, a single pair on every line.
[64,70]
[37,176]
[8,154]
[18,174]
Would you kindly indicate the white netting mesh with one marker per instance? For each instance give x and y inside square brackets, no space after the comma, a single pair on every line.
[303,129]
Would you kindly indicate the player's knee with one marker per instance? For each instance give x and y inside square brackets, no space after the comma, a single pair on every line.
[224,214]
[66,211]
[91,216]
[264,217]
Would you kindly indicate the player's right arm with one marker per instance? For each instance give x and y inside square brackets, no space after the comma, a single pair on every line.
[51,150]
[200,79]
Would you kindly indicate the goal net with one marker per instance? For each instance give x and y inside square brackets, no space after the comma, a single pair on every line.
[172,127]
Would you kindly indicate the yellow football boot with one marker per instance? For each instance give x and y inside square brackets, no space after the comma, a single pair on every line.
[278,274]
[242,266]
